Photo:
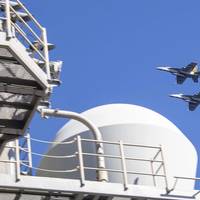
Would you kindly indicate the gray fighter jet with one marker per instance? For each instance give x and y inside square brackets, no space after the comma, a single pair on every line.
[193,100]
[190,71]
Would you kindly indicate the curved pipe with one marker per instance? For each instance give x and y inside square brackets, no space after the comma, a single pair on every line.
[101,175]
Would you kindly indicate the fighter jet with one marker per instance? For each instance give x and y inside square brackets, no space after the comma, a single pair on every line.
[190,71]
[193,100]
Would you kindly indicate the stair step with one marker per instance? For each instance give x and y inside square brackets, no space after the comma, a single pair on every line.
[40,63]
[40,47]
[24,16]
[55,82]
[51,46]
[14,4]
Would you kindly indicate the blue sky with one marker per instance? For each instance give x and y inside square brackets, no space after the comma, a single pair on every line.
[110,50]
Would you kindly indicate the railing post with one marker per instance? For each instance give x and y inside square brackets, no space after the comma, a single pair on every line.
[80,159]
[46,53]
[8,19]
[152,171]
[29,154]
[123,161]
[168,179]
[17,158]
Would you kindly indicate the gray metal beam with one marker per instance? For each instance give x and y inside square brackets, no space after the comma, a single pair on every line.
[17,105]
[11,132]
[18,81]
[20,90]
[16,124]
[8,59]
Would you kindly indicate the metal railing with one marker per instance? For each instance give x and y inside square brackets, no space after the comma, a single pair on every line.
[24,165]
[23,161]
[123,158]
[31,34]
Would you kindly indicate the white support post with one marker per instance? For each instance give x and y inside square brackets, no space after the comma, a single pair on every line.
[123,160]
[46,53]
[168,179]
[8,19]
[152,171]
[17,157]
[29,154]
[81,163]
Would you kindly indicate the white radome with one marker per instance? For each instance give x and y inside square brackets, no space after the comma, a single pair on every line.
[131,124]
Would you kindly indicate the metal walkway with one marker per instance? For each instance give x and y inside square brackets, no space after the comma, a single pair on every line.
[60,189]
[24,186]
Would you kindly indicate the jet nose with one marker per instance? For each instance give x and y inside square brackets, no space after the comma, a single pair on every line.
[176,95]
[162,68]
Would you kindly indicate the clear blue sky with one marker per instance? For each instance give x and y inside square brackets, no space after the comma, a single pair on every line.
[110,50]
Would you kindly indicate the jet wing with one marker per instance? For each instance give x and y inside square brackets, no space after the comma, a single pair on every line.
[192,106]
[180,79]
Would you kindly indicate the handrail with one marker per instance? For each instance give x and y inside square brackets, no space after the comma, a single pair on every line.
[30,15]
[8,19]
[46,53]
[30,29]
[188,178]
[117,143]
[8,161]
[29,42]
[24,28]
[49,156]
[121,171]
[80,155]
[119,157]
[18,29]
[49,170]
[48,142]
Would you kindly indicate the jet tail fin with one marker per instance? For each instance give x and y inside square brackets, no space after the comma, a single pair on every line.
[192,67]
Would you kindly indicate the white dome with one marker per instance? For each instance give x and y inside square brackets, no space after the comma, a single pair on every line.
[112,114]
[130,124]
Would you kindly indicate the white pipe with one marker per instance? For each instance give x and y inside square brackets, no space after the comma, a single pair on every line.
[101,175]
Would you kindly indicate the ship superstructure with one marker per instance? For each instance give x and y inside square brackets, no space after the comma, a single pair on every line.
[118,151]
